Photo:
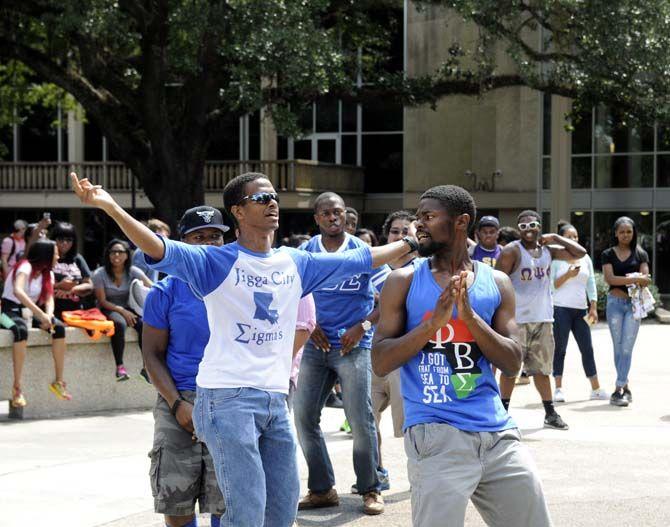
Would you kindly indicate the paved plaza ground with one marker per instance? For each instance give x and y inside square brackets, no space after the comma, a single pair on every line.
[612,468]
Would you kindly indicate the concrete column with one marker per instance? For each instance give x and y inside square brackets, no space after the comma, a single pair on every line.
[561,151]
[268,137]
[75,143]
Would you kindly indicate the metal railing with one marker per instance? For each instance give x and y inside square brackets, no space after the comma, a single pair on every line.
[294,175]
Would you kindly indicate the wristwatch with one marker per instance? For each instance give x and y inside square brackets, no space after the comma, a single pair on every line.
[367,325]
[413,244]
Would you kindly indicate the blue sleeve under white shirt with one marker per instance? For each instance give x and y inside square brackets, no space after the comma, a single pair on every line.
[252,305]
[343,305]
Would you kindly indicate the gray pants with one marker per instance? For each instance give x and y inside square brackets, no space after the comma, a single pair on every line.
[447,467]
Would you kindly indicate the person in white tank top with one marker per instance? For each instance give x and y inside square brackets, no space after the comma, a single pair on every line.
[528,263]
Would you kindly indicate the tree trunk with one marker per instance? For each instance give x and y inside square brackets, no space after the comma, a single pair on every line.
[178,186]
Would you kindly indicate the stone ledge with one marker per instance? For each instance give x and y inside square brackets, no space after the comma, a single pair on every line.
[663,315]
[89,373]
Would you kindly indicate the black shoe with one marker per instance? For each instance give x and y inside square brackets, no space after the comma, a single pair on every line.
[334,401]
[145,375]
[618,399]
[628,395]
[554,421]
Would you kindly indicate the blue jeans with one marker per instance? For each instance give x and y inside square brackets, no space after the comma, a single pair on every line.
[318,372]
[568,319]
[623,328]
[250,438]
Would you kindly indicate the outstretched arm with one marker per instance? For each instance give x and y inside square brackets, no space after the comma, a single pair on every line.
[136,232]
[391,251]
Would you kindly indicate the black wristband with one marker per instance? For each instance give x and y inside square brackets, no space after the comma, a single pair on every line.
[175,405]
[413,244]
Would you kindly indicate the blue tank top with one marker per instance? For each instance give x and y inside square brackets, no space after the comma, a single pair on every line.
[450,380]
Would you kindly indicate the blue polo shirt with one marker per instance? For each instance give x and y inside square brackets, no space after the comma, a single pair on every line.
[172,305]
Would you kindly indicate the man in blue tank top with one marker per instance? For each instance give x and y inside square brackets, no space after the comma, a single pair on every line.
[444,321]
[528,263]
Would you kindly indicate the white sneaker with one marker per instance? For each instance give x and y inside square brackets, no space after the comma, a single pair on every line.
[559,396]
[599,395]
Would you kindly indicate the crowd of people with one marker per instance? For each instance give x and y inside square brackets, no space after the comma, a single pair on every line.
[237,336]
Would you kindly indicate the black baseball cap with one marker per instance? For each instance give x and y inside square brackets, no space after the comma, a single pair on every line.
[201,218]
[488,221]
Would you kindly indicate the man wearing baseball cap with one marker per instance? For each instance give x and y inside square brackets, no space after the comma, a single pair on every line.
[487,249]
[175,334]
[13,246]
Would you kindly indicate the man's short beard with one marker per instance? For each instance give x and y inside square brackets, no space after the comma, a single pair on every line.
[431,248]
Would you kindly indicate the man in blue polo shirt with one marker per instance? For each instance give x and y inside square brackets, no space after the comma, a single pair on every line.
[342,312]
[251,293]
[175,335]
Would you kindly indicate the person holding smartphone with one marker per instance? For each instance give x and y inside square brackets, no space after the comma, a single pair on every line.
[575,298]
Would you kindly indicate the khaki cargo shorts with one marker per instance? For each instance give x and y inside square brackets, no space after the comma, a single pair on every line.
[182,471]
[537,347]
[386,392]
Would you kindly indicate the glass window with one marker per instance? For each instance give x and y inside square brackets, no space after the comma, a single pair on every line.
[582,222]
[255,135]
[546,124]
[327,115]
[382,159]
[37,136]
[225,141]
[302,149]
[581,172]
[581,135]
[305,119]
[663,170]
[349,150]
[282,147]
[613,136]
[604,236]
[624,171]
[92,142]
[326,150]
[663,138]
[382,116]
[662,278]
[349,112]
[546,173]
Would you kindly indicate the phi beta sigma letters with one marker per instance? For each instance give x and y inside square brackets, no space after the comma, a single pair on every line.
[449,363]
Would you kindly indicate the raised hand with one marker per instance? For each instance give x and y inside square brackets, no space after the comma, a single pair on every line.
[460,285]
[444,307]
[91,194]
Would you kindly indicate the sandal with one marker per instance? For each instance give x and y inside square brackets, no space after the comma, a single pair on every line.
[18,400]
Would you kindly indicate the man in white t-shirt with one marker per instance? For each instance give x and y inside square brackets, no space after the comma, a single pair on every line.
[251,293]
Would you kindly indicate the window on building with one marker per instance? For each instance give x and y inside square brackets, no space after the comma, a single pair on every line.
[382,158]
[662,277]
[581,221]
[39,136]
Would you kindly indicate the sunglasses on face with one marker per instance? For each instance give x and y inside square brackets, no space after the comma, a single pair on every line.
[262,198]
[398,232]
[116,252]
[529,225]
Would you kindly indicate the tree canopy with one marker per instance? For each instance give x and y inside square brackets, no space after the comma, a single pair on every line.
[160,76]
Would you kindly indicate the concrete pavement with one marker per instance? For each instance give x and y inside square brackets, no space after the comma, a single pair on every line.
[611,468]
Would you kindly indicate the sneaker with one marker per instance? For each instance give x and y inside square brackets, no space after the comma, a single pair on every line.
[554,421]
[59,389]
[121,373]
[334,401]
[345,427]
[559,396]
[599,395]
[384,481]
[321,500]
[618,399]
[18,400]
[145,375]
[522,379]
[628,395]
[373,503]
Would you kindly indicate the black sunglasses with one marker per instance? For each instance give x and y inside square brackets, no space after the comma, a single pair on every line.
[262,198]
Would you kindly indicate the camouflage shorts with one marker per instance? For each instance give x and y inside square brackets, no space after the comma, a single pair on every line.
[182,471]
[537,346]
